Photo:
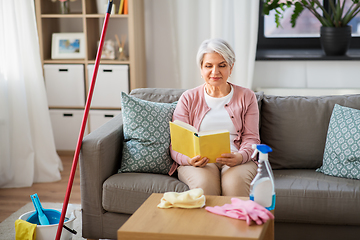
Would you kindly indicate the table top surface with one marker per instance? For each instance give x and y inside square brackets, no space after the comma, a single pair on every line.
[179,223]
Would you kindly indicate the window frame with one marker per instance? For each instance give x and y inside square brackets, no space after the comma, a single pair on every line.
[291,42]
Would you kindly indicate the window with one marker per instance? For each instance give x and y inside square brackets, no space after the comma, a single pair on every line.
[305,35]
[307,25]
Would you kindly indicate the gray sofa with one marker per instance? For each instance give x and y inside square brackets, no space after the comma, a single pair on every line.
[309,204]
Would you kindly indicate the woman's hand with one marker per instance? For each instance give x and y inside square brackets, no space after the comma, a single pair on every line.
[230,159]
[198,161]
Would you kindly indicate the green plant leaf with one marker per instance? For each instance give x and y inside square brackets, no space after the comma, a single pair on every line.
[277,20]
[351,14]
[333,18]
[337,14]
[297,10]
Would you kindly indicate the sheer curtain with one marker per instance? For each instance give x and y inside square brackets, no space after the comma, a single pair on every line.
[27,149]
[175,29]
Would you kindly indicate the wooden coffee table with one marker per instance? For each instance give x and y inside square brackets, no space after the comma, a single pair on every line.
[150,222]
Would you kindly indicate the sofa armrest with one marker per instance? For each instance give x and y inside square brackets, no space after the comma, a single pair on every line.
[100,158]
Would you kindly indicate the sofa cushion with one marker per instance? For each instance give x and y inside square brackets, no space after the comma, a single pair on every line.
[306,196]
[146,135]
[125,192]
[169,95]
[164,95]
[295,127]
[342,148]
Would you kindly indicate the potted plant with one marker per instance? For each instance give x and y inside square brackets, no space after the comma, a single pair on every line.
[335,33]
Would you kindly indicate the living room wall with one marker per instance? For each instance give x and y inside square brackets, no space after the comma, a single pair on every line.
[307,74]
[162,70]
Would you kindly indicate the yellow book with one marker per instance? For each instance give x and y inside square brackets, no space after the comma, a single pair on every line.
[186,140]
[121,7]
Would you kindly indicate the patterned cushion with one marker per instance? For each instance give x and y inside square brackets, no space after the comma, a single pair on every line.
[342,149]
[146,135]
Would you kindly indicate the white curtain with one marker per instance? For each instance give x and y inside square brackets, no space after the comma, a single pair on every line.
[27,149]
[175,29]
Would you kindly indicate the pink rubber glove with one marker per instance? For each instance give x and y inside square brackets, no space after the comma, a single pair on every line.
[244,210]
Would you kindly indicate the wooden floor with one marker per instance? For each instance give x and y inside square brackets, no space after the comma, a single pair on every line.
[11,199]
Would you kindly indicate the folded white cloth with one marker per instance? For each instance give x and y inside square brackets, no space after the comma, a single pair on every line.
[190,199]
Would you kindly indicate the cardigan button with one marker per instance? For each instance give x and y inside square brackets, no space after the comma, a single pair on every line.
[226,105]
[232,116]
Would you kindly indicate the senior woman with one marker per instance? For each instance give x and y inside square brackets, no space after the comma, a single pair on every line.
[219,104]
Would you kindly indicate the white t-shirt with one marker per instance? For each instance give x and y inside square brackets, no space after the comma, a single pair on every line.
[218,118]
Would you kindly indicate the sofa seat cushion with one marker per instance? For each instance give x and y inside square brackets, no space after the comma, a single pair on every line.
[307,196]
[125,192]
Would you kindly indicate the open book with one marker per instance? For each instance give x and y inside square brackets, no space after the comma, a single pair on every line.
[186,140]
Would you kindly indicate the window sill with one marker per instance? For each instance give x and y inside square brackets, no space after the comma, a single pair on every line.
[304,54]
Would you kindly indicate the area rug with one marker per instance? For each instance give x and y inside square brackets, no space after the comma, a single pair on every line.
[7,227]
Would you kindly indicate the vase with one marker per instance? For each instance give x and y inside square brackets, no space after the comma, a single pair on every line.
[64,7]
[101,6]
[335,41]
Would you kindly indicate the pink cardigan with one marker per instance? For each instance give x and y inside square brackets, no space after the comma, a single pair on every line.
[242,108]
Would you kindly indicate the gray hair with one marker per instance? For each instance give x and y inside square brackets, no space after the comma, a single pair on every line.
[217,45]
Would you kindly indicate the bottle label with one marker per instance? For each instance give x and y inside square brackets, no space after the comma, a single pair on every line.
[262,192]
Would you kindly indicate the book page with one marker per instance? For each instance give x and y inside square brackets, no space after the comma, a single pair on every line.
[185,125]
[203,133]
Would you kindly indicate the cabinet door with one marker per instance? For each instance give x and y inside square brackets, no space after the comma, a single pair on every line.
[97,118]
[66,125]
[111,81]
[65,85]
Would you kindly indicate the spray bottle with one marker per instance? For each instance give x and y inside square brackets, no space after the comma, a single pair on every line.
[262,188]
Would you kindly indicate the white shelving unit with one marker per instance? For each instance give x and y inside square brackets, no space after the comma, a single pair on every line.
[68,80]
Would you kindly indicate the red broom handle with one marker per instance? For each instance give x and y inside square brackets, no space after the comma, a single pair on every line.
[83,124]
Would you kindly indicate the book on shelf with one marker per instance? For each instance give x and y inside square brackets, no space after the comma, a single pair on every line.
[125,7]
[186,140]
[121,7]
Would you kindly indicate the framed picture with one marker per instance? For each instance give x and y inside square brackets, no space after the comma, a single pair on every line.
[68,45]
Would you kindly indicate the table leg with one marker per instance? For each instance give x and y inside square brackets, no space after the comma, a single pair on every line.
[269,234]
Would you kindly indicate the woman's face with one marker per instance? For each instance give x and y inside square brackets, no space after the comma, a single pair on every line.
[214,69]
